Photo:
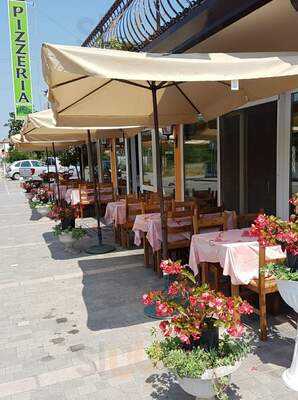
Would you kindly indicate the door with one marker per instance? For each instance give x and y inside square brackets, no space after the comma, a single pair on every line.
[229,161]
[260,154]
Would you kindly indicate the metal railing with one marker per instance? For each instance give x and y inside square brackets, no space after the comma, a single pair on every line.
[135,23]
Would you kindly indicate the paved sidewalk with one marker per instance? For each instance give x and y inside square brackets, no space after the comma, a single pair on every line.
[72,326]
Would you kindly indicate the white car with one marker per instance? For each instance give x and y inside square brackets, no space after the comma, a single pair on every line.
[25,169]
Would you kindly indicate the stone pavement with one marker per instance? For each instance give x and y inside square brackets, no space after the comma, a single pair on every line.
[72,326]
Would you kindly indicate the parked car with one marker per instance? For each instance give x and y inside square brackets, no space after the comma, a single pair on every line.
[25,169]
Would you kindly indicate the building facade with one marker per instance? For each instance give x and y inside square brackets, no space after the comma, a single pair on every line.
[250,156]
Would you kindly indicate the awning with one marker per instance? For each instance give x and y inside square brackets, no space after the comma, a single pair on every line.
[41,126]
[100,87]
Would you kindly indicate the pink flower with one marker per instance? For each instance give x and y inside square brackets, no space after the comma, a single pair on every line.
[245,308]
[173,290]
[146,300]
[171,268]
[193,300]
[236,330]
[162,309]
[184,338]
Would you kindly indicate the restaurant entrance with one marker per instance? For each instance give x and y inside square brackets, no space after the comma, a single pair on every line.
[248,139]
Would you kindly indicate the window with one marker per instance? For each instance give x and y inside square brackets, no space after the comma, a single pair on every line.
[36,163]
[17,164]
[294,146]
[168,163]
[200,157]
[147,159]
[26,164]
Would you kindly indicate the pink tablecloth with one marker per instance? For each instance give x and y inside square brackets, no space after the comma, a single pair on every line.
[115,213]
[151,224]
[237,253]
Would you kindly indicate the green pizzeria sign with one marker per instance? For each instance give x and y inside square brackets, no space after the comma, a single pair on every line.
[20,57]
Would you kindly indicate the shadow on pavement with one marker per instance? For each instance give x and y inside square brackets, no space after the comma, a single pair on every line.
[112,290]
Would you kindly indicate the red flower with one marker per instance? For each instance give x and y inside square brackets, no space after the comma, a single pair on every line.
[171,268]
[147,301]
[173,289]
[245,308]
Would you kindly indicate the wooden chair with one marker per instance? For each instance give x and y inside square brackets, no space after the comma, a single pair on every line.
[132,209]
[87,197]
[183,205]
[262,286]
[217,221]
[179,236]
[245,220]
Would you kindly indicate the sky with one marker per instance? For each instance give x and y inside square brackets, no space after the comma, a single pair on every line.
[53,21]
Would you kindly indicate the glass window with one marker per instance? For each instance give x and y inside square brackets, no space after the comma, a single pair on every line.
[36,163]
[200,158]
[168,163]
[121,165]
[17,164]
[25,164]
[294,146]
[147,158]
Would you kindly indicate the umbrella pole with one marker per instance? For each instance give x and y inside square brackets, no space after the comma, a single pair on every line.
[159,173]
[48,167]
[100,248]
[57,176]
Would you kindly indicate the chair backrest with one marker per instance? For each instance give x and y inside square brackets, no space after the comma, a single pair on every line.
[150,207]
[87,193]
[209,221]
[245,220]
[181,222]
[106,191]
[210,210]
[183,205]
[132,209]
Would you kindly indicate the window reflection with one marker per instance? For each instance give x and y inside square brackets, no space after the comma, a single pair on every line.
[294,145]
[200,158]
[147,158]
[168,163]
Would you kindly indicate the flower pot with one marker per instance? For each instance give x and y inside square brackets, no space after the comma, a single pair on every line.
[29,196]
[292,261]
[289,292]
[203,388]
[66,239]
[43,210]
[68,223]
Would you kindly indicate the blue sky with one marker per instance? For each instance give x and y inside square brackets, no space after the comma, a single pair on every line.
[54,21]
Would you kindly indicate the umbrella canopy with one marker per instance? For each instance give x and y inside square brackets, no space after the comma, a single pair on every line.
[91,86]
[41,126]
[24,145]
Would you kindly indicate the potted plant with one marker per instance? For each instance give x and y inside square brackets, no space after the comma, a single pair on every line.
[69,235]
[274,231]
[66,214]
[29,189]
[190,345]
[41,202]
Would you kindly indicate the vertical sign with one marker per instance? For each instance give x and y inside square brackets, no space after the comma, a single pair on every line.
[20,57]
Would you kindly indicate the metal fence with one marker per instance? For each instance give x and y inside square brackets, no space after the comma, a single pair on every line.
[137,22]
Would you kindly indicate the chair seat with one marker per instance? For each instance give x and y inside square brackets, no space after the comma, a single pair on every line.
[270,285]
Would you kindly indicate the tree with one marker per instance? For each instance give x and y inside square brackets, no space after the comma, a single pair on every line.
[13,124]
[70,157]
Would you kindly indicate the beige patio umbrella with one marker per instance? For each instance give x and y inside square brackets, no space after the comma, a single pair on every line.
[25,145]
[41,126]
[111,87]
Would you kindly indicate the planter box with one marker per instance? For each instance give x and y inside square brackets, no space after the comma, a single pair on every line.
[43,210]
[66,239]
[202,388]
[289,292]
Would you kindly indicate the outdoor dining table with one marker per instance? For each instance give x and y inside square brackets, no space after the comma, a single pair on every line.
[235,250]
[115,213]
